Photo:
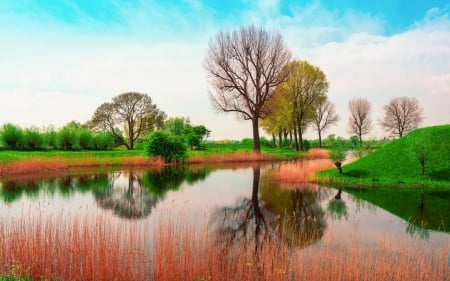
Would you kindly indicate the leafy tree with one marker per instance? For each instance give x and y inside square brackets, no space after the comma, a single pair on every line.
[50,137]
[103,140]
[85,138]
[244,68]
[67,137]
[177,126]
[11,136]
[359,121]
[33,139]
[168,147]
[325,116]
[132,111]
[401,115]
[338,153]
[306,89]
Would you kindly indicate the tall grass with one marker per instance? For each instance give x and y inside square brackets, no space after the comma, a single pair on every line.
[90,247]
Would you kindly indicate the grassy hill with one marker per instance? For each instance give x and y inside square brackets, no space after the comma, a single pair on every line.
[396,163]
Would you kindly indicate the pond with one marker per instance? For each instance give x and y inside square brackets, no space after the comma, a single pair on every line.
[81,224]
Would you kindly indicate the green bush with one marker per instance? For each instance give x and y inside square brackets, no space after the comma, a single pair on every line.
[11,136]
[170,148]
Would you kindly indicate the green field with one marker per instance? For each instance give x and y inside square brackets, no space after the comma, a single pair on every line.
[210,149]
[395,164]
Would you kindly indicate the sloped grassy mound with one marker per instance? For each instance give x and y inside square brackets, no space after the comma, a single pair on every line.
[396,163]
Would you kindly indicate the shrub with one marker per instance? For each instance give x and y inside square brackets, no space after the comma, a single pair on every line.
[168,147]
[247,141]
[306,145]
[11,136]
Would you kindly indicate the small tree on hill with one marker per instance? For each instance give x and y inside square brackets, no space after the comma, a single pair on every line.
[401,115]
[420,149]
[338,153]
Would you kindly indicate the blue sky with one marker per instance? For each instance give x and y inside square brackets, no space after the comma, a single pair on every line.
[59,60]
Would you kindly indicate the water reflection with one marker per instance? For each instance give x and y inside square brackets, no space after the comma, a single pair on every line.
[336,207]
[247,221]
[293,216]
[126,196]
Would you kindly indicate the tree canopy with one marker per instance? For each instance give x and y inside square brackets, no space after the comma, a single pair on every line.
[132,112]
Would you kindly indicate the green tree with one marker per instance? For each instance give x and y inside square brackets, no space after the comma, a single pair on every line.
[134,112]
[85,138]
[67,137]
[11,136]
[245,66]
[103,140]
[306,90]
[33,139]
[338,153]
[169,147]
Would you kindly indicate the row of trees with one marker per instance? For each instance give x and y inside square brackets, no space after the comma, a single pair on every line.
[71,136]
[251,73]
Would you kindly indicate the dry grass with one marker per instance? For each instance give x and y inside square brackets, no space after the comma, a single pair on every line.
[100,248]
[229,157]
[60,163]
[317,153]
[301,171]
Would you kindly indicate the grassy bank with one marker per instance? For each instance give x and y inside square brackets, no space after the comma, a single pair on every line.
[396,163]
[20,162]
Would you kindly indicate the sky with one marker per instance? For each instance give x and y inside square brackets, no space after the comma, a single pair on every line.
[61,59]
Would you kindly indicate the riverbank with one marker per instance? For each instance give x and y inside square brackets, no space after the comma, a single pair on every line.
[25,162]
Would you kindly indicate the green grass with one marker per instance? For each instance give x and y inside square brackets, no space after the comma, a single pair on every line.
[395,163]
[8,156]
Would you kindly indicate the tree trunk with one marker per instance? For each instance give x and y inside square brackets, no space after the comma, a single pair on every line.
[256,144]
[320,139]
[338,166]
[273,140]
[300,137]
[338,195]
[280,141]
[296,140]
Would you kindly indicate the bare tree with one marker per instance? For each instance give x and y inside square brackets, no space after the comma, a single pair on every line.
[359,121]
[401,115]
[244,67]
[325,117]
[131,111]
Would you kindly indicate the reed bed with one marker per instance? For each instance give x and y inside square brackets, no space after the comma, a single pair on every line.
[57,163]
[229,157]
[317,153]
[301,171]
[89,247]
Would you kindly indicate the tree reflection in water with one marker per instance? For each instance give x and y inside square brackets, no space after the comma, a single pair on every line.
[127,196]
[337,209]
[271,214]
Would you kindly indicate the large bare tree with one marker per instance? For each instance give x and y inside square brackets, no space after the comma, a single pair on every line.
[359,121]
[401,115]
[244,67]
[325,117]
[133,112]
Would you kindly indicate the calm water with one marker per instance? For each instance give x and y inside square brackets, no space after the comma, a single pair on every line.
[242,201]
